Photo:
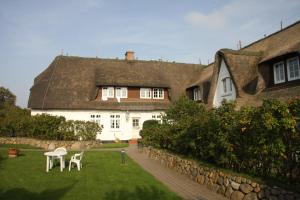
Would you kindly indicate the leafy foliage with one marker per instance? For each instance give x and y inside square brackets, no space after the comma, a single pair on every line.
[261,141]
[6,96]
[15,121]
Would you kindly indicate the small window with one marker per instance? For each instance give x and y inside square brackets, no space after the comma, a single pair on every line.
[121,92]
[145,93]
[135,122]
[115,121]
[158,93]
[108,92]
[227,85]
[96,119]
[279,73]
[293,69]
[196,94]
[157,117]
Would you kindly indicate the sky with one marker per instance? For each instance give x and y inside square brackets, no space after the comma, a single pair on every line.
[34,32]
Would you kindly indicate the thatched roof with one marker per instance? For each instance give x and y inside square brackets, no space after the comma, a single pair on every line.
[243,65]
[71,82]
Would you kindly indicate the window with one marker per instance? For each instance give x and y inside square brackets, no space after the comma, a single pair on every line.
[293,69]
[121,92]
[108,92]
[158,93]
[157,117]
[279,73]
[135,122]
[145,93]
[115,121]
[227,85]
[96,119]
[196,94]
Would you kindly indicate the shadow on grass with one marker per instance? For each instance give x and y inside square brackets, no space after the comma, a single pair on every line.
[143,193]
[21,194]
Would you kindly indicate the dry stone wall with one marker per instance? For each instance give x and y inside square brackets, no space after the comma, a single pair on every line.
[232,187]
[50,144]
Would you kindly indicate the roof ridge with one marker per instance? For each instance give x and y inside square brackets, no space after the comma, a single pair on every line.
[241,52]
[131,61]
[272,34]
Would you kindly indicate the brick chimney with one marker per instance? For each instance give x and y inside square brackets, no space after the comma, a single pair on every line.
[129,55]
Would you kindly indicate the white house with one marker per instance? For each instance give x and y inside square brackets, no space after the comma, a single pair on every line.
[118,94]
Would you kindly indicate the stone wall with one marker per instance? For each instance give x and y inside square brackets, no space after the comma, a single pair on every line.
[230,186]
[50,144]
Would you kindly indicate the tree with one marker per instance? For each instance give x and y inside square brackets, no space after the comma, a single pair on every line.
[7,96]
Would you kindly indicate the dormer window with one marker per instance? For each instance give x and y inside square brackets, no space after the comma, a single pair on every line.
[107,92]
[293,69]
[227,85]
[279,72]
[158,93]
[145,93]
[197,94]
[121,92]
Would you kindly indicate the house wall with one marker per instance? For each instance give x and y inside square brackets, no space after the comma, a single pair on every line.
[219,94]
[126,131]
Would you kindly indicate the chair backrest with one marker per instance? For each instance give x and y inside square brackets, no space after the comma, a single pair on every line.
[81,155]
[62,149]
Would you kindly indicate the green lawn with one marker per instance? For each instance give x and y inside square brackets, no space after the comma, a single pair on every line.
[112,145]
[102,177]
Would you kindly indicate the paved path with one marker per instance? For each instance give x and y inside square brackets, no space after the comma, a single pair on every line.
[178,183]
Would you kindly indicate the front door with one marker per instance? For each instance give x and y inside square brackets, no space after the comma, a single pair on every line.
[136,127]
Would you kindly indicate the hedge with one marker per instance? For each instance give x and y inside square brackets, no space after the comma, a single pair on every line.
[15,121]
[263,141]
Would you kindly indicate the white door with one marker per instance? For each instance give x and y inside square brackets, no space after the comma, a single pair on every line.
[136,127]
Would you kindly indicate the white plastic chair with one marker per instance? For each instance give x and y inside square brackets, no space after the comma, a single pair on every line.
[59,149]
[76,158]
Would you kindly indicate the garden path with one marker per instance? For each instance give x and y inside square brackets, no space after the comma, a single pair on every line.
[176,182]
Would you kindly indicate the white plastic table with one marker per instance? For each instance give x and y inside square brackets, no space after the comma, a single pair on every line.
[50,156]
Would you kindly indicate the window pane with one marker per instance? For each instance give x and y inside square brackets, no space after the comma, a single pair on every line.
[293,67]
[104,92]
[160,94]
[279,73]
[111,92]
[124,92]
[118,92]
[224,86]
[155,93]
[117,123]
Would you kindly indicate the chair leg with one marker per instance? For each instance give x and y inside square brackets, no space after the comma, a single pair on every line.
[78,166]
[70,164]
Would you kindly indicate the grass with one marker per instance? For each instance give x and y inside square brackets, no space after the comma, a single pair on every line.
[102,177]
[271,181]
[112,145]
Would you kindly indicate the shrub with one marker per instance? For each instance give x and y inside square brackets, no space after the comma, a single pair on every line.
[257,140]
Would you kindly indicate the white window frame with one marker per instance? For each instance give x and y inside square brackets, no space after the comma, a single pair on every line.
[135,124]
[197,94]
[96,118]
[145,93]
[160,93]
[275,73]
[288,69]
[121,92]
[115,122]
[227,85]
[107,92]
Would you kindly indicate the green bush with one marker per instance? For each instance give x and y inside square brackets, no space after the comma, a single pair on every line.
[256,140]
[15,121]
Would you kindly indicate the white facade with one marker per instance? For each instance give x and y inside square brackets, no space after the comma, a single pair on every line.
[225,87]
[126,130]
